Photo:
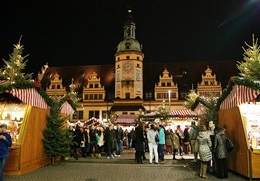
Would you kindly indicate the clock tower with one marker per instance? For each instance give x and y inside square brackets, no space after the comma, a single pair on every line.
[129,64]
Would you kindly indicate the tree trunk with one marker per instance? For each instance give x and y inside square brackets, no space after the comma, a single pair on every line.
[52,160]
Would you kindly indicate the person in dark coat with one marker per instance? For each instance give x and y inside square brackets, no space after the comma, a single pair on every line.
[221,153]
[119,140]
[77,136]
[186,141]
[109,138]
[139,142]
[212,129]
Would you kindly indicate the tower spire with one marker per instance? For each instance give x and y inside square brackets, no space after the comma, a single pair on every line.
[129,27]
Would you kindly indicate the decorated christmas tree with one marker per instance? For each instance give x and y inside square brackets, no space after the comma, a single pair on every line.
[13,68]
[191,98]
[57,139]
[73,94]
[250,67]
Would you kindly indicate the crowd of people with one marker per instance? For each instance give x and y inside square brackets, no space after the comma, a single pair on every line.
[207,144]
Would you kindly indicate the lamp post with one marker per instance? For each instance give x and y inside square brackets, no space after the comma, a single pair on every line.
[107,111]
[169,96]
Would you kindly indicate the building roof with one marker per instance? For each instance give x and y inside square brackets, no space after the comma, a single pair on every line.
[185,74]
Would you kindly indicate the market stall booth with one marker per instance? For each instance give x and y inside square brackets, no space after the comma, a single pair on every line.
[24,111]
[241,116]
[181,117]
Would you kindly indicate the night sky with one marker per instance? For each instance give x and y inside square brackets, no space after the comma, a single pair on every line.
[84,32]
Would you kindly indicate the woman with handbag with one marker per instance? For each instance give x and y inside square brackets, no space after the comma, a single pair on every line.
[221,152]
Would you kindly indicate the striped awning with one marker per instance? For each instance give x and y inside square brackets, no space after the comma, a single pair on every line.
[92,121]
[30,96]
[240,94]
[125,119]
[4,82]
[183,113]
[66,108]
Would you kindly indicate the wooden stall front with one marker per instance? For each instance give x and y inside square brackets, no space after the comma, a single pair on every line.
[26,119]
[28,153]
[245,158]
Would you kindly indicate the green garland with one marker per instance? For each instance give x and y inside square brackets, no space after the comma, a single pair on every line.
[235,80]
[20,85]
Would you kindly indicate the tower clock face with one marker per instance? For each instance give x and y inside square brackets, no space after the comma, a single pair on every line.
[128,66]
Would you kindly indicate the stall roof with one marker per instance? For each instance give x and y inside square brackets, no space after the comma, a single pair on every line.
[182,112]
[125,119]
[30,96]
[240,94]
[126,108]
[66,108]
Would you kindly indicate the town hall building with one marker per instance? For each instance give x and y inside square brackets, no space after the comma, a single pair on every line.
[131,86]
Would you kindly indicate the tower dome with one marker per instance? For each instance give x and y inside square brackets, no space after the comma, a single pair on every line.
[129,43]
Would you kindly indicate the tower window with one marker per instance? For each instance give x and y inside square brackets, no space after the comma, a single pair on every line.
[127,57]
[138,58]
[118,58]
[127,46]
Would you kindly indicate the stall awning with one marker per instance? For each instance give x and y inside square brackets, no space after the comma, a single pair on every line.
[126,108]
[93,121]
[66,108]
[30,96]
[240,94]
[183,112]
[4,82]
[125,119]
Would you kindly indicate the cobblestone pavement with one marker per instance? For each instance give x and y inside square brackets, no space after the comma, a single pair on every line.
[118,169]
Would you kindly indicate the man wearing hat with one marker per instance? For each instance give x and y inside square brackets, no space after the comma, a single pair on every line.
[5,143]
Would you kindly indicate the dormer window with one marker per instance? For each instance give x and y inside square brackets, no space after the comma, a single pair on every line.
[127,46]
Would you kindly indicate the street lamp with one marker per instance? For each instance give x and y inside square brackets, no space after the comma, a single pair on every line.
[169,96]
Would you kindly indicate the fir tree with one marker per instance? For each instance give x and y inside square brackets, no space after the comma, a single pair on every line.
[13,68]
[211,113]
[57,139]
[73,94]
[250,67]
[191,98]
